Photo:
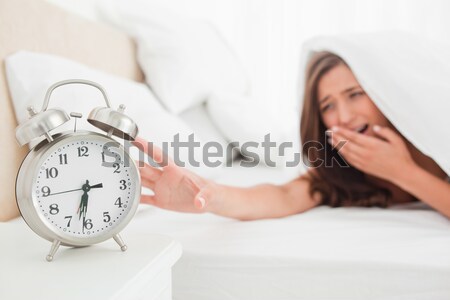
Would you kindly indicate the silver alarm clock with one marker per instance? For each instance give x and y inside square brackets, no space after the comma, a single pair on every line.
[77,188]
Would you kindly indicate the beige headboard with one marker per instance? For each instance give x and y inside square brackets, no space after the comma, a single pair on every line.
[38,26]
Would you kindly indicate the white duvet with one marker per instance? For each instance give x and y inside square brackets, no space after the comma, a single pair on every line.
[325,253]
[407,77]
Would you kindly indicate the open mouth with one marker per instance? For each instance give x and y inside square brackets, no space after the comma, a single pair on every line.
[362,128]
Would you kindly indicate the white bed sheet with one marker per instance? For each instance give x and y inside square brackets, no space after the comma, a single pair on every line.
[326,253]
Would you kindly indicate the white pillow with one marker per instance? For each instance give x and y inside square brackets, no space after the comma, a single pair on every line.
[242,120]
[199,120]
[30,74]
[184,60]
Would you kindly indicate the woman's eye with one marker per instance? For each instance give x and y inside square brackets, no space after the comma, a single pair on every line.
[356,94]
[326,107]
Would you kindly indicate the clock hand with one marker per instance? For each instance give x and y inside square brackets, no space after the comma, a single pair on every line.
[82,209]
[64,192]
[84,222]
[99,185]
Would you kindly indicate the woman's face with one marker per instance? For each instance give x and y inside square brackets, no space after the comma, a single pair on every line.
[342,102]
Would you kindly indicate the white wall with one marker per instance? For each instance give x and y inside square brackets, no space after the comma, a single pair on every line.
[267,34]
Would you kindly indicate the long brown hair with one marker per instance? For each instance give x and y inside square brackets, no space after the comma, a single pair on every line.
[337,183]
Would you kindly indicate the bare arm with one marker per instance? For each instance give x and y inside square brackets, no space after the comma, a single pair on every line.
[425,186]
[262,201]
[178,189]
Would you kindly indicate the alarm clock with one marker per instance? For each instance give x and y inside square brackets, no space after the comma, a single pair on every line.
[77,188]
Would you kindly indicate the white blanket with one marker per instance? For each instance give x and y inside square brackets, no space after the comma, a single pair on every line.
[407,77]
[326,253]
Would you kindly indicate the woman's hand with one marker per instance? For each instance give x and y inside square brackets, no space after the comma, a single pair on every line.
[174,188]
[383,157]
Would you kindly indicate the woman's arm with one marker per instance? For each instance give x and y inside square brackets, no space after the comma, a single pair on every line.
[262,201]
[178,189]
[425,186]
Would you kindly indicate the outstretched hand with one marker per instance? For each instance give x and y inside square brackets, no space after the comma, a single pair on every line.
[174,188]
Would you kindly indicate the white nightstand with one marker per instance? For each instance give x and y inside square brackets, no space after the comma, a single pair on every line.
[97,272]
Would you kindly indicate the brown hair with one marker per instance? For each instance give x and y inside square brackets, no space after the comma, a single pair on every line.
[337,183]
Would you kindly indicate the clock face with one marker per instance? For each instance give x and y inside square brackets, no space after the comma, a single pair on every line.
[85,186]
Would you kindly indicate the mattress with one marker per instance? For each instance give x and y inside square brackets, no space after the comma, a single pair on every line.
[326,253]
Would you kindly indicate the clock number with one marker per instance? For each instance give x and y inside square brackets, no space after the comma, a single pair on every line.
[107,217]
[52,172]
[117,166]
[70,219]
[88,224]
[118,202]
[83,151]
[45,191]
[54,209]
[123,184]
[63,159]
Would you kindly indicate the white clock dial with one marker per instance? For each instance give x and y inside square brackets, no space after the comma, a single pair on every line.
[77,194]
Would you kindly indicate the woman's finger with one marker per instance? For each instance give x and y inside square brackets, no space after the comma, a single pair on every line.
[192,186]
[156,153]
[355,137]
[386,133]
[356,156]
[148,199]
[150,173]
[201,200]
[349,146]
[148,183]
[351,158]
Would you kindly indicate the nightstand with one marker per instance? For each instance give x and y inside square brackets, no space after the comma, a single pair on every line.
[97,272]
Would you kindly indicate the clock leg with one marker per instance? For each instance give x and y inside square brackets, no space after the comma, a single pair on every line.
[119,241]
[53,250]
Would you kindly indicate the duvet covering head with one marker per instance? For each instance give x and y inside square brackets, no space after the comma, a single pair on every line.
[392,79]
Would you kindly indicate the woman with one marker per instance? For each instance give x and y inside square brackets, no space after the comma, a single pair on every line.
[375,166]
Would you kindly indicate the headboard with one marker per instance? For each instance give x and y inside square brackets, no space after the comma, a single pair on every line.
[38,26]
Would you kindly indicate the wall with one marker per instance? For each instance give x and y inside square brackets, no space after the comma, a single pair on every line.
[267,34]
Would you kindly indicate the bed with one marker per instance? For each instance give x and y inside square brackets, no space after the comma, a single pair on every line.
[343,253]
[326,253]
